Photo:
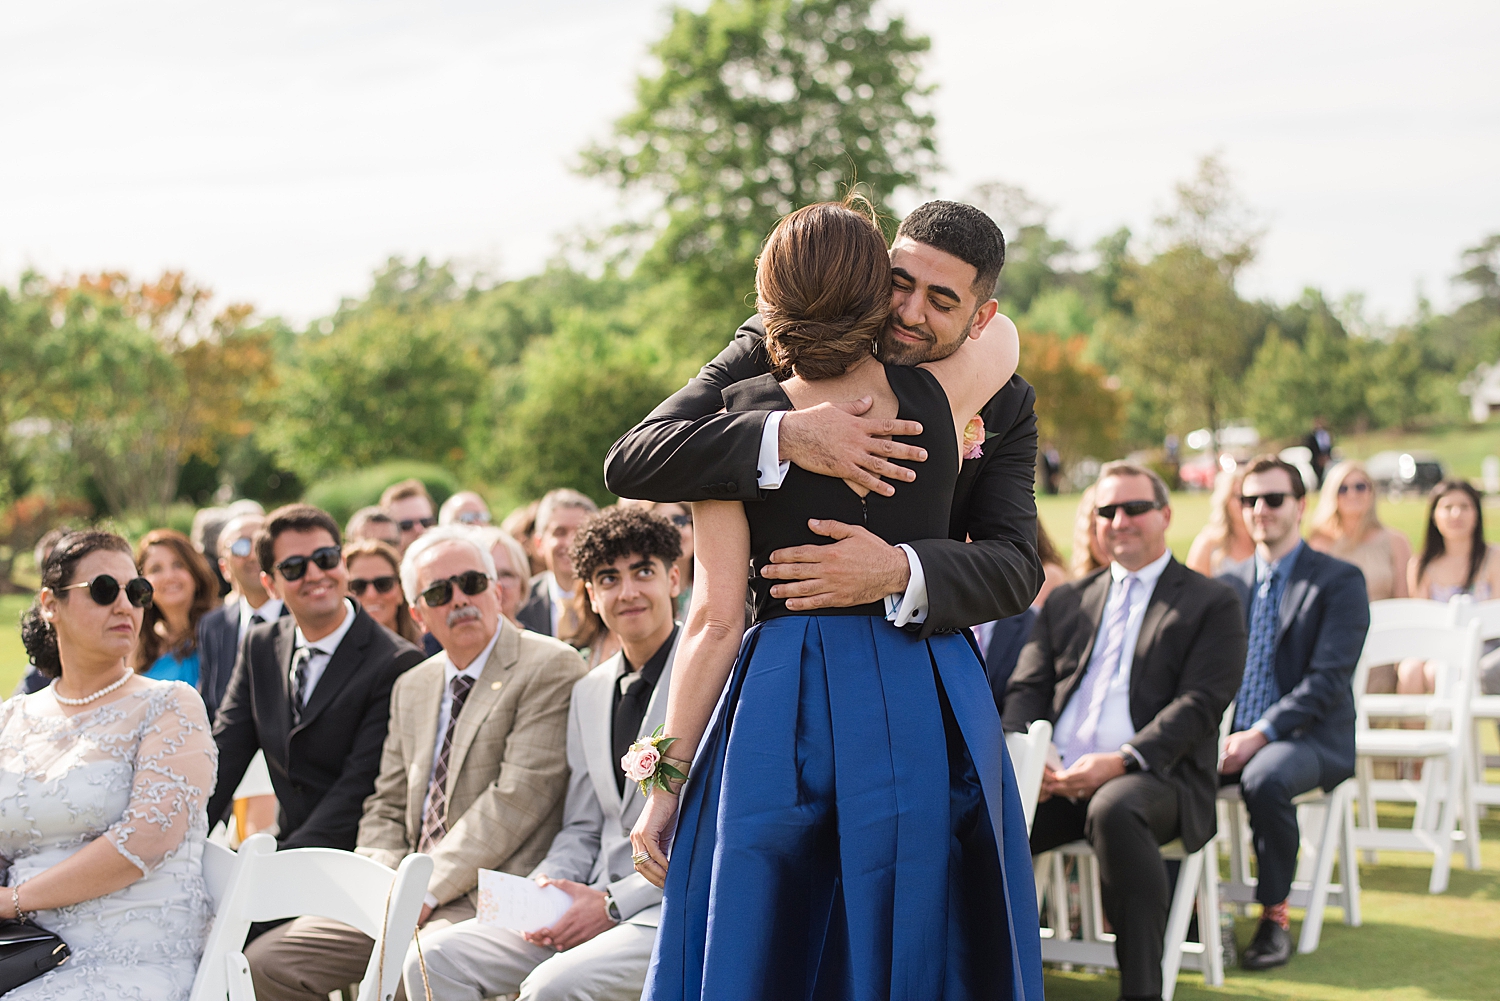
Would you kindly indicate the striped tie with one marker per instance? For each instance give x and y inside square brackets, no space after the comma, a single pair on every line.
[300,661]
[435,818]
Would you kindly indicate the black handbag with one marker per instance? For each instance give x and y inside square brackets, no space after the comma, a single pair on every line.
[26,952]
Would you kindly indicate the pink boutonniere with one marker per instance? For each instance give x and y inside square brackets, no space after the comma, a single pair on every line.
[973,446]
[643,763]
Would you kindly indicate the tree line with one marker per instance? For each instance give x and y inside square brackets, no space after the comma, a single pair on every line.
[128,394]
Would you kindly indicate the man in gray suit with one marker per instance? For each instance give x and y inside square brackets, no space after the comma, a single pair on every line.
[601,947]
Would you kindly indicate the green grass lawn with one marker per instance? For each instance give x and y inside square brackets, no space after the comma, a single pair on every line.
[12,654]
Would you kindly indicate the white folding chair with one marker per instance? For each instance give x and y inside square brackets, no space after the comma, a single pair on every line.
[1484,707]
[1444,808]
[1393,613]
[1028,757]
[1197,879]
[268,885]
[1314,889]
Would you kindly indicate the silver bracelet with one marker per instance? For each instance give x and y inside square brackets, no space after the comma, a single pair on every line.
[15,902]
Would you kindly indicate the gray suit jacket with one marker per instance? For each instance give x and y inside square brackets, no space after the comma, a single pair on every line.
[593,846]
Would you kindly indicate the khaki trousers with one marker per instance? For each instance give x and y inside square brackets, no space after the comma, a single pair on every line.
[308,958]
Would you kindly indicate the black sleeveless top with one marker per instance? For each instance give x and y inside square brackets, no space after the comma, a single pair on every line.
[918,510]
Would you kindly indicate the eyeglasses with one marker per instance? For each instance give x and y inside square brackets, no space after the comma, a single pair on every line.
[241,547]
[104,589]
[407,524]
[471,518]
[1358,487]
[440,592]
[382,585]
[326,558]
[682,520]
[1132,508]
[1272,500]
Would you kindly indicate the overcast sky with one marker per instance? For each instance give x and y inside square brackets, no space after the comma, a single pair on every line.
[281,151]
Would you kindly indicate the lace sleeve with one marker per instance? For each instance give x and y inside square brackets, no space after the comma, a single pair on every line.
[174,774]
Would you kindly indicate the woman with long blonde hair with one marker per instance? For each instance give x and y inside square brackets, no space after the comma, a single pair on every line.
[1224,539]
[1345,525]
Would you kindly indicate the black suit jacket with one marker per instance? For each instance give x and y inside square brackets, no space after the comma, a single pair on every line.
[218,648]
[1324,615]
[535,612]
[1188,661]
[324,767]
[686,450]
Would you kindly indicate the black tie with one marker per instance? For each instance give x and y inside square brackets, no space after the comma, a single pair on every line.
[635,697]
[299,681]
[255,619]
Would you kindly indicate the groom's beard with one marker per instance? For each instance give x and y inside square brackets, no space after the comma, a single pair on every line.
[897,352]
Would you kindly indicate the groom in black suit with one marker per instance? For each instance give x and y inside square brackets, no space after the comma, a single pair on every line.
[945,261]
[1133,665]
[1307,614]
[312,690]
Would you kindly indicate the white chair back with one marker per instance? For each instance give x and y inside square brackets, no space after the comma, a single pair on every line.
[1397,612]
[320,882]
[1487,614]
[1028,757]
[1453,649]
[218,870]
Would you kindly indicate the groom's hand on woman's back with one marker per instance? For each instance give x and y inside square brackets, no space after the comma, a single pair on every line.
[835,440]
[858,568]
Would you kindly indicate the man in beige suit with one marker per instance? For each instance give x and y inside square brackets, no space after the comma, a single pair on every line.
[473,771]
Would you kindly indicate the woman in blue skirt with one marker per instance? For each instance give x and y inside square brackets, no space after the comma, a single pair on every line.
[849,828]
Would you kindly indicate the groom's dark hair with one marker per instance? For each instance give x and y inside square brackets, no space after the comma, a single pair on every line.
[963,231]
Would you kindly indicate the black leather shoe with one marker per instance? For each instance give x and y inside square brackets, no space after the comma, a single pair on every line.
[1271,946]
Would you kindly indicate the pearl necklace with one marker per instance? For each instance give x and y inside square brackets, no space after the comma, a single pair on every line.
[97,695]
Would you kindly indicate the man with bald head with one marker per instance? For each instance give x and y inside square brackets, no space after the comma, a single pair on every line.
[473,770]
[464,508]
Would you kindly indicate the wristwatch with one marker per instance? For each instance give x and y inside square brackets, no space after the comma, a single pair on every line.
[611,908]
[1131,764]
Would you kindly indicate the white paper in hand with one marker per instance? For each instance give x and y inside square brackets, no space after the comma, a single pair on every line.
[518,903]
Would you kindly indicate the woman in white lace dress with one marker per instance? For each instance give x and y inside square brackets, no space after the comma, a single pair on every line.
[103,779]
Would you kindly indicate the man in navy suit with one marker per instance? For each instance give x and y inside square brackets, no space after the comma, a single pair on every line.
[1294,716]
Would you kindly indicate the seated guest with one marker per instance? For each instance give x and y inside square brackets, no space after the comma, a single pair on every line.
[373,523]
[472,772]
[250,604]
[410,506]
[208,522]
[103,775]
[464,508]
[521,524]
[185,590]
[311,690]
[1001,641]
[1294,714]
[375,582]
[1134,666]
[1223,539]
[547,609]
[512,568]
[601,947]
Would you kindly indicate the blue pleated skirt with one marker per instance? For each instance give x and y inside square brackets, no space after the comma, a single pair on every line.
[851,831]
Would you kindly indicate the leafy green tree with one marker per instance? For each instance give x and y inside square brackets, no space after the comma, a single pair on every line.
[759,107]
[1291,384]
[573,394]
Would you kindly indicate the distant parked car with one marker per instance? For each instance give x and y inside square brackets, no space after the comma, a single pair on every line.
[1405,472]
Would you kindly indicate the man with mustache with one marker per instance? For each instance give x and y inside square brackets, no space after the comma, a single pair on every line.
[473,771]
[688,449]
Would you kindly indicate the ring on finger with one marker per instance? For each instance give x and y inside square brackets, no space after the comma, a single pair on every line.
[641,858]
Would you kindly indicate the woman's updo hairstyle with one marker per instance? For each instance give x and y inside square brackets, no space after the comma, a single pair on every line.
[823,289]
[37,634]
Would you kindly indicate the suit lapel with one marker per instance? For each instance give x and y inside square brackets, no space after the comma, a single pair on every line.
[656,715]
[595,699]
[484,696]
[1298,581]
[280,722]
[1163,597]
[426,704]
[342,666]
[1091,608]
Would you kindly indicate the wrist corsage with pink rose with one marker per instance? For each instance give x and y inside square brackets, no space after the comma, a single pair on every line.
[647,764]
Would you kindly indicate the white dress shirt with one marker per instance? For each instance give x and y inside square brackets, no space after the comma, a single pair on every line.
[771,472]
[1115,726]
[269,612]
[322,651]
[445,713]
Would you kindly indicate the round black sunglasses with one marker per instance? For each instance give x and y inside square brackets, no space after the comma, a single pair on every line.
[104,589]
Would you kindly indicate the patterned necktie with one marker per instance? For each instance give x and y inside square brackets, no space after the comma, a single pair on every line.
[435,817]
[300,661]
[1097,679]
[1258,691]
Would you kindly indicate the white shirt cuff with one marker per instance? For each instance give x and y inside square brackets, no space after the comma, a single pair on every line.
[430,901]
[1137,755]
[770,470]
[901,609]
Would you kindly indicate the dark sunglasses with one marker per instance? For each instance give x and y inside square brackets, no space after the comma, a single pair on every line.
[471,518]
[104,589]
[407,524]
[241,547]
[326,558]
[1358,488]
[440,592]
[382,585]
[682,520]
[1133,508]
[1272,500]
